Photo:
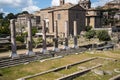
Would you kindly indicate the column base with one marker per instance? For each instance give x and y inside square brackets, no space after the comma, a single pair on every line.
[44,51]
[76,47]
[30,53]
[66,48]
[14,55]
[56,49]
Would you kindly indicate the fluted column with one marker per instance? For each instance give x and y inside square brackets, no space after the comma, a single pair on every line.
[13,39]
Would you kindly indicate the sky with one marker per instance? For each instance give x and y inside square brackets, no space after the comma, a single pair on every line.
[17,6]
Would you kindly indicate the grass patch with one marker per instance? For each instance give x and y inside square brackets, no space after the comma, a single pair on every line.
[36,67]
[16,72]
[108,67]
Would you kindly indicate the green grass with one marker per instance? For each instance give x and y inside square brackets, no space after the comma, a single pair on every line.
[16,72]
[108,67]
[36,67]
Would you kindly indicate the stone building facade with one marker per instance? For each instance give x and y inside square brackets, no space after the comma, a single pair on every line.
[112,4]
[61,14]
[85,4]
[21,22]
[93,16]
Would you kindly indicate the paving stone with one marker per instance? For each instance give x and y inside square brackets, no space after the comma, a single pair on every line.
[117,70]
[109,72]
[99,72]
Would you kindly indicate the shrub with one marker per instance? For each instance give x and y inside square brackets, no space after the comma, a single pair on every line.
[20,38]
[103,35]
[88,28]
[90,34]
[39,40]
[34,30]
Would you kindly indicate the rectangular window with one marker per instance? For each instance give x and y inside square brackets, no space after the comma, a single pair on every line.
[59,16]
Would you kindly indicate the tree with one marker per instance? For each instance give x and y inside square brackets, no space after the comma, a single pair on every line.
[103,35]
[90,34]
[4,26]
[25,12]
[108,16]
[1,15]
[10,16]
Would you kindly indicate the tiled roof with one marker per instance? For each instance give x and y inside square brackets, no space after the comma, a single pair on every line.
[65,6]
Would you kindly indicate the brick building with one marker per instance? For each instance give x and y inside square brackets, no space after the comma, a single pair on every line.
[64,12]
[112,4]
[93,16]
[21,22]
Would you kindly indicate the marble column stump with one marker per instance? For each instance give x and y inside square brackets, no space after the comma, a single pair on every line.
[44,49]
[75,35]
[66,47]
[56,49]
[29,40]
[13,39]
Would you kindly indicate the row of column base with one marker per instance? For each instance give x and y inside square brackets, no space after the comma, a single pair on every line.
[44,51]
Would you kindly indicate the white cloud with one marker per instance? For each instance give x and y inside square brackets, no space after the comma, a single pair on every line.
[2,11]
[94,4]
[27,5]
[31,9]
[14,3]
[100,3]
[57,2]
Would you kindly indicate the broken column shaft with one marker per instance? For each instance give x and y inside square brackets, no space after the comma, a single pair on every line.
[13,39]
[66,35]
[44,50]
[56,36]
[75,35]
[29,41]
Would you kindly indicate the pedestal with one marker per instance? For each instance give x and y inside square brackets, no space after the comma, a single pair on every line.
[44,51]
[56,49]
[30,53]
[14,55]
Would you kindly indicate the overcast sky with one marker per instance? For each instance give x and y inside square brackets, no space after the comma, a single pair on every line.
[16,6]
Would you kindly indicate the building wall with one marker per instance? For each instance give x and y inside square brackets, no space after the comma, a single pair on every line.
[78,16]
[65,15]
[21,22]
[44,15]
[61,16]
[92,22]
[93,18]
[98,22]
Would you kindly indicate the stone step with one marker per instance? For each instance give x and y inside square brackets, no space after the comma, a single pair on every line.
[16,61]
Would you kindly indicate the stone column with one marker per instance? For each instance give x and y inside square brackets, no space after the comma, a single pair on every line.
[44,50]
[66,35]
[75,35]
[13,39]
[56,37]
[29,40]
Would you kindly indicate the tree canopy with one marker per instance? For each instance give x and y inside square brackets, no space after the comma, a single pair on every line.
[10,16]
[1,15]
